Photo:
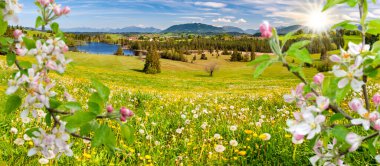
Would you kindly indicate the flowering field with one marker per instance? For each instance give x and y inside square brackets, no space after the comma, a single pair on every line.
[181,116]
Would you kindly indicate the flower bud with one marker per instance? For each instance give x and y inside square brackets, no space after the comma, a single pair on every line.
[266,30]
[355,104]
[318,79]
[376,99]
[123,111]
[377,125]
[109,109]
[66,10]
[123,119]
[57,11]
[17,33]
[44,2]
[129,113]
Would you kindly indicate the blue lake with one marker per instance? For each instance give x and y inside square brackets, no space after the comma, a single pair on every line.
[103,48]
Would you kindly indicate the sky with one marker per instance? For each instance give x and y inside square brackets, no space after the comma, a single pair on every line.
[246,14]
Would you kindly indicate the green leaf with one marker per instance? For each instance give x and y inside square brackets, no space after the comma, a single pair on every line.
[39,22]
[342,93]
[332,3]
[298,51]
[94,107]
[54,103]
[373,27]
[376,47]
[75,106]
[335,117]
[79,119]
[48,119]
[287,37]
[13,103]
[345,25]
[260,68]
[25,64]
[89,127]
[30,132]
[11,58]
[260,59]
[104,92]
[95,98]
[127,132]
[54,27]
[352,3]
[30,43]
[3,24]
[104,136]
[340,133]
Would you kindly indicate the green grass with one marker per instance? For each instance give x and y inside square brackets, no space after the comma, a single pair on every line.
[231,97]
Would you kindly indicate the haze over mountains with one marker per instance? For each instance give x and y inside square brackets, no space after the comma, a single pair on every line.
[182,28]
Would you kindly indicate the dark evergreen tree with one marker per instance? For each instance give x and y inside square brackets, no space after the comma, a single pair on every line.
[152,62]
[120,51]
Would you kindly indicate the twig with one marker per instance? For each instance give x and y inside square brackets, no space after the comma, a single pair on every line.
[57,122]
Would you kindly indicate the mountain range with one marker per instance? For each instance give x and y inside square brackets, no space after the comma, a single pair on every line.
[131,29]
[182,28]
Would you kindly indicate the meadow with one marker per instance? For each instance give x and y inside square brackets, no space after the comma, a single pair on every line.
[180,114]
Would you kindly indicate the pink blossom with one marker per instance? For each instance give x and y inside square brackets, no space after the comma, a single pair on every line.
[266,30]
[376,99]
[109,109]
[44,2]
[318,79]
[17,33]
[57,10]
[377,125]
[66,10]
[355,104]
[123,119]
[123,111]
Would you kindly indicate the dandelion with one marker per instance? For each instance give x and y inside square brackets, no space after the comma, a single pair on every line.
[217,136]
[233,128]
[14,130]
[19,142]
[233,143]
[242,153]
[220,148]
[265,137]
[248,131]
[179,130]
[43,161]
[141,131]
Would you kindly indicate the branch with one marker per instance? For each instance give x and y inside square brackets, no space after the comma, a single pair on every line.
[18,65]
[371,136]
[57,122]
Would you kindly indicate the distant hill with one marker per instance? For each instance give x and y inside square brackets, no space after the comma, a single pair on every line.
[285,30]
[193,28]
[131,29]
[251,31]
[233,29]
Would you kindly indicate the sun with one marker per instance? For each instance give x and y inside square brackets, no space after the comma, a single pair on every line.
[318,21]
[312,17]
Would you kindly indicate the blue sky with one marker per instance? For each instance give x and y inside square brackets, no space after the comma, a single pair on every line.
[246,14]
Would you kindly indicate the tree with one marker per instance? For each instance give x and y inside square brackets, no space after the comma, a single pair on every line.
[253,54]
[323,54]
[119,51]
[152,61]
[211,68]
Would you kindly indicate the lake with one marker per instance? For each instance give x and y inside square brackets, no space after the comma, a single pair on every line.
[103,48]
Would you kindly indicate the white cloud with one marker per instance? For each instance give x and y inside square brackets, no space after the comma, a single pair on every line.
[241,21]
[193,18]
[211,4]
[224,20]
